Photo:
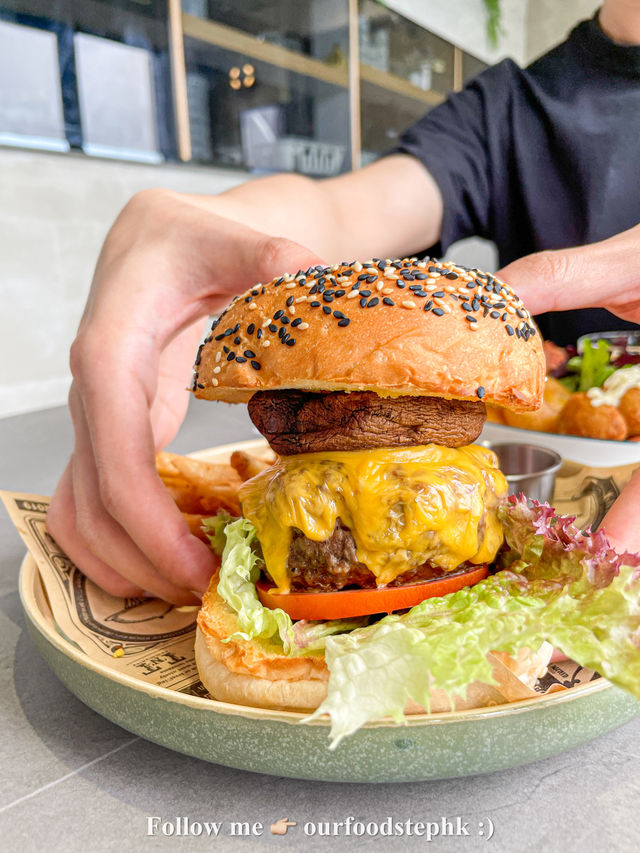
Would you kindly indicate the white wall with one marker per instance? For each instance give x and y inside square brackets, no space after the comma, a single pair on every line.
[549,22]
[55,211]
[464,23]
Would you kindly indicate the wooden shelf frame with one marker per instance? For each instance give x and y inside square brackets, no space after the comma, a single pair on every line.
[348,76]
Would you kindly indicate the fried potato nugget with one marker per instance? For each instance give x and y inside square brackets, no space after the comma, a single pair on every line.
[579,417]
[630,410]
[546,418]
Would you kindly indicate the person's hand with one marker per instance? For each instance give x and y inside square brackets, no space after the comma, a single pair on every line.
[599,275]
[167,263]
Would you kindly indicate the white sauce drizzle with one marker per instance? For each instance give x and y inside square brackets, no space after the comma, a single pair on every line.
[615,387]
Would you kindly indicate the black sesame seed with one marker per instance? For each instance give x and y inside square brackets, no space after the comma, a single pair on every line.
[475,304]
[290,342]
[438,312]
[504,316]
[421,275]
[327,297]
[372,278]
[255,365]
[471,284]
[372,302]
[340,293]
[199,356]
[485,310]
[439,294]
[388,301]
[251,328]
[344,322]
[466,306]
[363,277]
[200,385]
[363,303]
[278,282]
[522,314]
[365,293]
[314,304]
[296,322]
[499,305]
[533,331]
[471,318]
[400,284]
[259,334]
[313,290]
[284,320]
[236,341]
[231,356]
[326,309]
[480,391]
[422,294]
[429,305]
[321,280]
[290,301]
[226,349]
[281,333]
[518,333]
[320,288]
[249,353]
[339,315]
[248,298]
[452,275]
[278,314]
[273,328]
[495,314]
[240,359]
[415,287]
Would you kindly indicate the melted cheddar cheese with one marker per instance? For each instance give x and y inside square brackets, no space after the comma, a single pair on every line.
[404,506]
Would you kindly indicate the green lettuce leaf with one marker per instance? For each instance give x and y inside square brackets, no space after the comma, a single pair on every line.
[562,586]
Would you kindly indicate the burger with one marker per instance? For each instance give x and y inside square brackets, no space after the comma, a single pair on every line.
[369,380]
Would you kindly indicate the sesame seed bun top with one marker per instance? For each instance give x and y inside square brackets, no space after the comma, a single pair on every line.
[390,326]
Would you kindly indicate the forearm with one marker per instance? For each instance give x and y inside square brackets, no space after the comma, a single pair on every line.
[391,208]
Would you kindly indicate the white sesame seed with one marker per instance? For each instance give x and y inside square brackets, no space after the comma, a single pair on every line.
[450,288]
[387,290]
[446,308]
[218,356]
[292,309]
[431,288]
[214,382]
[380,285]
[266,342]
[511,309]
[266,323]
[217,369]
[291,285]
[407,303]
[389,270]
[474,327]
[439,301]
[335,267]
[357,266]
[303,326]
[252,306]
[301,299]
[352,294]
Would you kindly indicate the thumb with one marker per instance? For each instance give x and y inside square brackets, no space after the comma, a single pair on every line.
[581,277]
[552,280]
[274,256]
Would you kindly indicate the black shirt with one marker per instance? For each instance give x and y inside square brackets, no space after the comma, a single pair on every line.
[544,157]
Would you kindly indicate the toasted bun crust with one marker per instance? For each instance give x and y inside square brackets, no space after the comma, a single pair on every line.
[257,674]
[459,334]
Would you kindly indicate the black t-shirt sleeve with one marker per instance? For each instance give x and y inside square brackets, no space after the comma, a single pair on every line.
[456,142]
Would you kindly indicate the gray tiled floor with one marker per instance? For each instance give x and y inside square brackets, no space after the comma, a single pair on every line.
[70,780]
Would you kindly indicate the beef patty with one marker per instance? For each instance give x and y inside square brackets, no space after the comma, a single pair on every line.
[333,565]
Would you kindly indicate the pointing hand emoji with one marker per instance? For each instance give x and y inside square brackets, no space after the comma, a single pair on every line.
[281,826]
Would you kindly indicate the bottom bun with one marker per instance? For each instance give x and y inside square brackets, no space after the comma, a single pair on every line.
[257,674]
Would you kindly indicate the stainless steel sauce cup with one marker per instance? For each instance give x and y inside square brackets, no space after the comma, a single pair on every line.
[528,468]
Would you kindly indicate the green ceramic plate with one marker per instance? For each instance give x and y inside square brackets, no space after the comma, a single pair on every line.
[439,746]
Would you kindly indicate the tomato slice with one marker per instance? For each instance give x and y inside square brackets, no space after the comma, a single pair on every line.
[364,602]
